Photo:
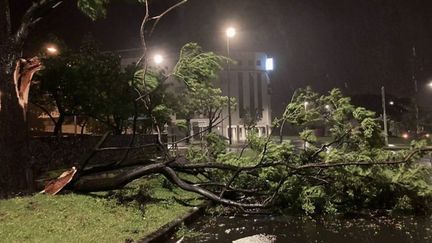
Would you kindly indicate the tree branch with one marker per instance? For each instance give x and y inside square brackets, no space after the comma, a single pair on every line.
[31,17]
[46,111]
[143,57]
[171,175]
[194,166]
[83,163]
[101,182]
[360,163]
[5,23]
[216,184]
[325,146]
[160,16]
[126,148]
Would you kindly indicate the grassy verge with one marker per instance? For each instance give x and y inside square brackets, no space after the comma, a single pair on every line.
[103,217]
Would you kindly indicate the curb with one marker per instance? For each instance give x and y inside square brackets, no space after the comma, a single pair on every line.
[165,232]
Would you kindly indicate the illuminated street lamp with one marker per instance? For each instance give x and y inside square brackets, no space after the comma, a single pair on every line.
[230,33]
[158,59]
[52,50]
[430,84]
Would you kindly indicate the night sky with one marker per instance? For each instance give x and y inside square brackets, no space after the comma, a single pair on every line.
[355,45]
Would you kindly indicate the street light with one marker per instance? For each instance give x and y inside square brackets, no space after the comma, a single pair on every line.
[52,50]
[230,33]
[158,59]
[430,84]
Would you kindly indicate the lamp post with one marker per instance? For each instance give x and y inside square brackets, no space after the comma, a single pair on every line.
[385,115]
[230,33]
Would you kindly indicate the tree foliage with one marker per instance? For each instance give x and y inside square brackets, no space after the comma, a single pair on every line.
[350,174]
[199,70]
[86,83]
[159,102]
[94,9]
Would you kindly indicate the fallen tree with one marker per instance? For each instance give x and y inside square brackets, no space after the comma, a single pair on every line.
[351,172]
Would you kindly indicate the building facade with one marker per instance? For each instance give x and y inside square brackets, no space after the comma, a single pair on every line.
[248,81]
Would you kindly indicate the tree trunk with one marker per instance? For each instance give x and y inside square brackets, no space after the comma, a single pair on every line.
[14,157]
[83,127]
[210,126]
[188,129]
[14,153]
[58,125]
[99,182]
[118,121]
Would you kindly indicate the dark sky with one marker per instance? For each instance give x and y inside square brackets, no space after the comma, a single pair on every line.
[352,44]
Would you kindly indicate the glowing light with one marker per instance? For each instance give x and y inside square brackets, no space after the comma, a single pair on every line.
[158,59]
[427,135]
[430,84]
[392,145]
[230,32]
[269,64]
[327,107]
[52,50]
[405,135]
[391,102]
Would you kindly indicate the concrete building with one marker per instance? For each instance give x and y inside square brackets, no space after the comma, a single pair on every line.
[250,86]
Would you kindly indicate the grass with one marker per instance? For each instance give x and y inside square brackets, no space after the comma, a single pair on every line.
[101,217]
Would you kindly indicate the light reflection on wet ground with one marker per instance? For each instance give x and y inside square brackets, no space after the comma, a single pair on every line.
[304,230]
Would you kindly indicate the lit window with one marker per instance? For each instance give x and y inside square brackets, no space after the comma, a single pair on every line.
[269,64]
